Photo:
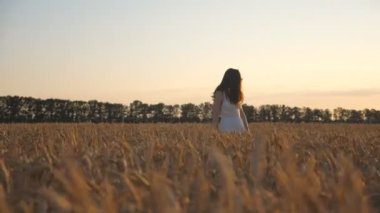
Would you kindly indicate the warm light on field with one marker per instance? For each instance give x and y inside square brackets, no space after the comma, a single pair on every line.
[189,168]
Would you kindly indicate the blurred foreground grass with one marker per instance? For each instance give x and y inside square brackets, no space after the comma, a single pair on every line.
[189,168]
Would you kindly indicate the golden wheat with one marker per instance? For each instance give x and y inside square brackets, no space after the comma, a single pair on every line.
[189,168]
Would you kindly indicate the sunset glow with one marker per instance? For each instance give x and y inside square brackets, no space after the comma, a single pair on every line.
[323,54]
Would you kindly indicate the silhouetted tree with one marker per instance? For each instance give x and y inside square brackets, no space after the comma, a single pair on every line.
[205,110]
[326,116]
[3,109]
[190,113]
[27,109]
[371,116]
[264,113]
[168,113]
[296,114]
[177,112]
[40,111]
[274,113]
[14,105]
[354,116]
[306,114]
[93,114]
[317,115]
[250,112]
[156,112]
[285,114]
[115,112]
[139,111]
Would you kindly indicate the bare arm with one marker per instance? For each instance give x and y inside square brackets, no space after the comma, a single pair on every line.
[244,118]
[217,106]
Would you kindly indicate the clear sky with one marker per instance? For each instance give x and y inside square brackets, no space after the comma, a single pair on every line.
[322,53]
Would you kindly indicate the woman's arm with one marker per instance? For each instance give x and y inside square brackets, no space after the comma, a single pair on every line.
[244,118]
[217,106]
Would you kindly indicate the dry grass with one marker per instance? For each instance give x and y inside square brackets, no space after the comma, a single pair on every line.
[189,168]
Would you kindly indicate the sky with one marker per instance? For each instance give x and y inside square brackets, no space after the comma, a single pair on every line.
[320,54]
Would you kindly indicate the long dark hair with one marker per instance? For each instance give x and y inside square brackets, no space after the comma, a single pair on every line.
[231,86]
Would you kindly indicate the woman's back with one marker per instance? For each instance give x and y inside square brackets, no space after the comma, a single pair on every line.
[229,109]
[230,117]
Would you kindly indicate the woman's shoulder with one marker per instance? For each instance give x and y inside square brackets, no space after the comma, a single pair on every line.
[218,96]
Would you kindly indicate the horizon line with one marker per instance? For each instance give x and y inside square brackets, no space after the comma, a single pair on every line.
[150,103]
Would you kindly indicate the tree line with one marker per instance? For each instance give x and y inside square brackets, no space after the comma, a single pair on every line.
[15,109]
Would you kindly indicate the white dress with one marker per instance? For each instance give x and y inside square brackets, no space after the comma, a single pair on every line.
[230,117]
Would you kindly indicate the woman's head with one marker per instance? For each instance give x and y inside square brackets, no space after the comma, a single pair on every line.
[231,86]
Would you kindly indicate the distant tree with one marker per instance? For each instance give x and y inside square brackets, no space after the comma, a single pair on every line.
[114,112]
[354,116]
[3,110]
[82,111]
[205,110]
[285,113]
[125,114]
[190,113]
[250,112]
[377,117]
[27,109]
[39,111]
[168,113]
[177,112]
[14,105]
[366,115]
[274,113]
[70,113]
[30,109]
[326,116]
[337,115]
[94,113]
[317,115]
[156,112]
[371,116]
[264,113]
[307,114]
[103,112]
[63,111]
[139,111]
[296,115]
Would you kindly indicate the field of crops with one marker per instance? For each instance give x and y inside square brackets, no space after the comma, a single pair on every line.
[189,168]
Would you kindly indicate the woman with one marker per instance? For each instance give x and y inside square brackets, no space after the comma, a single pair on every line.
[228,99]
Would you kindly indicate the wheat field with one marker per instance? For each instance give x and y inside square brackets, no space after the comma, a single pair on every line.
[189,168]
